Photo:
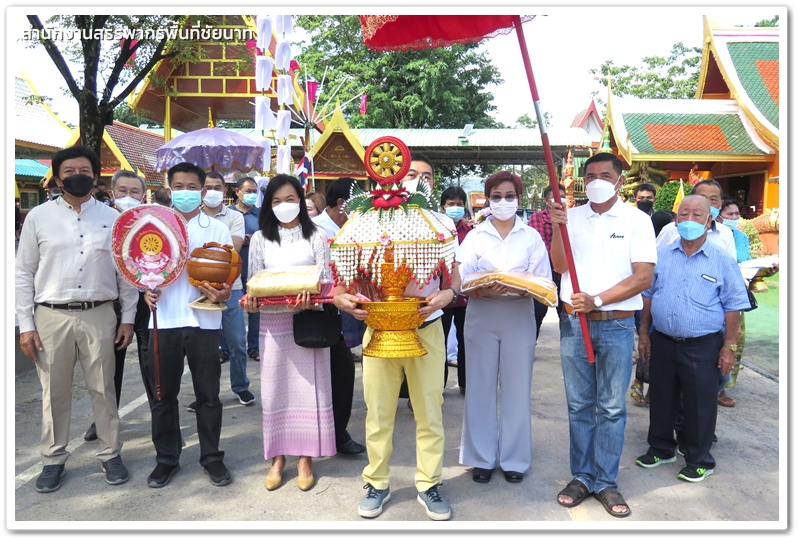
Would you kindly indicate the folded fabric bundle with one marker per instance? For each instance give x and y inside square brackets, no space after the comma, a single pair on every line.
[283,55]
[282,159]
[283,124]
[264,65]
[541,289]
[264,32]
[265,116]
[284,89]
[325,295]
[281,281]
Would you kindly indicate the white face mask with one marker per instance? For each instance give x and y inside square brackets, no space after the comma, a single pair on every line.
[213,198]
[600,191]
[123,204]
[286,211]
[503,210]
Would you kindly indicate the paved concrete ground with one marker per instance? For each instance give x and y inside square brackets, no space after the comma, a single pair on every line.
[744,488]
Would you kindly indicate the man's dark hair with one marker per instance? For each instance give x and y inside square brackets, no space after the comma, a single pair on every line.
[339,189]
[268,223]
[186,167]
[419,157]
[549,190]
[240,182]
[162,197]
[78,151]
[729,200]
[616,163]
[660,219]
[707,182]
[453,192]
[644,187]
[215,175]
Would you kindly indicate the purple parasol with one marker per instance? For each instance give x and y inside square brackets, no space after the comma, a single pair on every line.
[212,148]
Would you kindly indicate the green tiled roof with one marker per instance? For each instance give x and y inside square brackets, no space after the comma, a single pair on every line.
[757,68]
[682,133]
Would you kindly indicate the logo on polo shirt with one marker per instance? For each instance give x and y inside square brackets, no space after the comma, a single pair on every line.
[615,236]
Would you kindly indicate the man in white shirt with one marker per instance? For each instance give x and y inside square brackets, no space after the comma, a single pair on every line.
[343,369]
[712,191]
[233,318]
[613,245]
[382,380]
[65,269]
[193,333]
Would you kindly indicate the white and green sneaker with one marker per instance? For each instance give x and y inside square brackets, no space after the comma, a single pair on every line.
[694,475]
[371,505]
[650,461]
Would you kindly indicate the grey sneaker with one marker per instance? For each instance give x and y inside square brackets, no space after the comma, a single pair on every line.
[435,505]
[116,473]
[371,505]
[245,397]
[50,479]
[650,461]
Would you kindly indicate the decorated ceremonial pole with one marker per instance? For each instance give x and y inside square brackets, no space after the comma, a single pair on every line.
[551,171]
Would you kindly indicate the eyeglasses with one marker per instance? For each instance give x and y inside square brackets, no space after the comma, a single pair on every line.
[496,198]
[124,192]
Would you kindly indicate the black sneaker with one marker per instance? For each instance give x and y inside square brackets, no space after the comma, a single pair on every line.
[192,406]
[650,461]
[219,474]
[116,473]
[245,397]
[162,475]
[694,475]
[50,479]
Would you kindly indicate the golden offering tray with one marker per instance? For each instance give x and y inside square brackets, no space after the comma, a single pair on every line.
[395,323]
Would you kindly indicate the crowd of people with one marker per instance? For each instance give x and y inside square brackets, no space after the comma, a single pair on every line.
[670,282]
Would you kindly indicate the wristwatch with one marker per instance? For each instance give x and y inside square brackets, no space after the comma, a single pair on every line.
[732,347]
[455,294]
[598,302]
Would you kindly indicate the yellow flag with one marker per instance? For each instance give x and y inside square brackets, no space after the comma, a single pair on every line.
[678,198]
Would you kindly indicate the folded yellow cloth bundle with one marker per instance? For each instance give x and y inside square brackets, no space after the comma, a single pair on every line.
[285,281]
[541,289]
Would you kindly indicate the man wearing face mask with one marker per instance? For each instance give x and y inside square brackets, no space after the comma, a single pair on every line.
[246,198]
[192,333]
[127,191]
[343,369]
[614,252]
[693,304]
[65,282]
[644,196]
[541,222]
[424,375]
[233,318]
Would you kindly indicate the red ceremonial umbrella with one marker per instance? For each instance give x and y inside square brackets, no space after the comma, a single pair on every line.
[404,32]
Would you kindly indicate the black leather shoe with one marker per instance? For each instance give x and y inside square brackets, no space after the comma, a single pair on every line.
[350,447]
[162,475]
[482,476]
[513,477]
[91,433]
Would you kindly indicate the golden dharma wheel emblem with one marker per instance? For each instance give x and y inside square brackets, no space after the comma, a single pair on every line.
[387,160]
[150,244]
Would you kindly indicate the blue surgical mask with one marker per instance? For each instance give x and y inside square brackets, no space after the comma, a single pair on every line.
[731,223]
[691,230]
[250,199]
[456,213]
[186,201]
[714,213]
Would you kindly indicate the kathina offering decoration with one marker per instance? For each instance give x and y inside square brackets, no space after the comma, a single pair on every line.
[391,240]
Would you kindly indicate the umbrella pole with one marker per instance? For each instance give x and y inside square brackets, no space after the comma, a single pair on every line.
[551,170]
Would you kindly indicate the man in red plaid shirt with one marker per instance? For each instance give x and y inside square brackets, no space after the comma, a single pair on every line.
[540,221]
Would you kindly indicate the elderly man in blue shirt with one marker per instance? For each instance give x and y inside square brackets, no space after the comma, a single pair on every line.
[693,305]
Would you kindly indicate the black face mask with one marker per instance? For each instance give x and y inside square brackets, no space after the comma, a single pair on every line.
[645,205]
[78,185]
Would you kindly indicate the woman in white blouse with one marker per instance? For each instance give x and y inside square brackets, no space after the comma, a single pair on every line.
[295,381]
[500,331]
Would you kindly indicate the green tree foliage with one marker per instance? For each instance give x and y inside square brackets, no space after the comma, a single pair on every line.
[774,22]
[665,197]
[431,88]
[124,113]
[674,76]
[525,121]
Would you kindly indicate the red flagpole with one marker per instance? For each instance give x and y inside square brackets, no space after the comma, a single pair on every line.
[551,170]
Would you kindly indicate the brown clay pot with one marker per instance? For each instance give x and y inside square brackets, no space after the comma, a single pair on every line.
[225,267]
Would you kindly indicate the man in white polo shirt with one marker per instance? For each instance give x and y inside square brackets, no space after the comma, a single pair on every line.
[614,248]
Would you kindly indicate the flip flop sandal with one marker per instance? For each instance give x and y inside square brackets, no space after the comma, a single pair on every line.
[254,355]
[611,497]
[576,490]
[724,400]
[637,395]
